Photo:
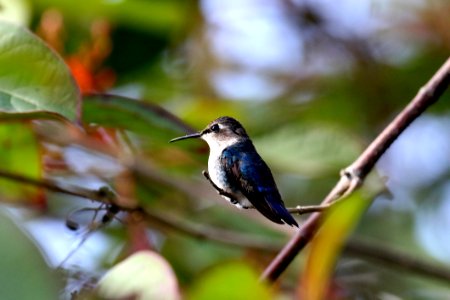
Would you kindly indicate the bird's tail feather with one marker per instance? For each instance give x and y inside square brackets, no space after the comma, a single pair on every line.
[284,216]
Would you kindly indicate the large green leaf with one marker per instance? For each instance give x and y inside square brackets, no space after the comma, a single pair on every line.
[24,274]
[32,76]
[137,116]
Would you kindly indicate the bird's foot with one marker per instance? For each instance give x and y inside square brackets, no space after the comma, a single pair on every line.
[221,192]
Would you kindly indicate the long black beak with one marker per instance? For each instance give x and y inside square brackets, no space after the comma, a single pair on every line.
[189,136]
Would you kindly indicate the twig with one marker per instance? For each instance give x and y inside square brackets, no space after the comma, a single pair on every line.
[354,175]
[301,210]
[395,258]
[351,177]
[98,195]
[210,233]
[356,247]
[364,249]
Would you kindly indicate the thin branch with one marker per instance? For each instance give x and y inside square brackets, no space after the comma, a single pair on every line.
[355,247]
[427,95]
[210,233]
[308,209]
[353,176]
[98,195]
[300,210]
[363,249]
[395,258]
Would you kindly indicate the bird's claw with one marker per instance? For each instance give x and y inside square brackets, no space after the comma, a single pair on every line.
[221,192]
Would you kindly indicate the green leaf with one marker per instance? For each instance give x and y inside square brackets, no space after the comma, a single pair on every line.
[19,154]
[325,248]
[137,116]
[230,281]
[24,273]
[144,275]
[32,77]
[310,150]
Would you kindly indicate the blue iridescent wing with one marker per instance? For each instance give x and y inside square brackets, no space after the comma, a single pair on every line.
[250,174]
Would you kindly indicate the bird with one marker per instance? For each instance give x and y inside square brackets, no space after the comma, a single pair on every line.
[237,171]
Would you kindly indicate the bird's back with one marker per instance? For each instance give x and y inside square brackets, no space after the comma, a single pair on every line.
[247,172]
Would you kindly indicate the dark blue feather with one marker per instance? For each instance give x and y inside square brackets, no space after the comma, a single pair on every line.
[245,171]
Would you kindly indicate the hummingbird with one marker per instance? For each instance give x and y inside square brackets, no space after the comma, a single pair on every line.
[237,171]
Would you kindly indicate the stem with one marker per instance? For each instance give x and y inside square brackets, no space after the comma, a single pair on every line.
[354,175]
[395,258]
[301,210]
[53,186]
[356,247]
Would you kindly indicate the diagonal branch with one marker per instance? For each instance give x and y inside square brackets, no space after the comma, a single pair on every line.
[398,259]
[98,195]
[356,247]
[350,179]
[353,176]
[365,249]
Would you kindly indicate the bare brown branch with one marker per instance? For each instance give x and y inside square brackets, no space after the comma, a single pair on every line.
[355,247]
[353,176]
[54,187]
[395,258]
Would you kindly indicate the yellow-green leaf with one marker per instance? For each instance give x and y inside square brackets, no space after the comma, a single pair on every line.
[19,154]
[327,245]
[236,281]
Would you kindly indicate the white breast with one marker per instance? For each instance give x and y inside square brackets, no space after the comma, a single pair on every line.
[217,173]
[216,146]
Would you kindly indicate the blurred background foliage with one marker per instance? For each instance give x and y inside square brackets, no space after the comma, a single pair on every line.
[313,82]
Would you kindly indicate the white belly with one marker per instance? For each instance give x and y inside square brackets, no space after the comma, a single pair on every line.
[217,174]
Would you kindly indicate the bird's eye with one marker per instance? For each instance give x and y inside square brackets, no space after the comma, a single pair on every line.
[215,128]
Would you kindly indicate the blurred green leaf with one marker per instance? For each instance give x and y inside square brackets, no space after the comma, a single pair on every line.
[308,150]
[24,274]
[33,77]
[137,116]
[230,281]
[159,15]
[144,275]
[339,221]
[19,154]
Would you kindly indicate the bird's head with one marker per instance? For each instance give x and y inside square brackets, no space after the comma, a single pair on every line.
[220,133]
